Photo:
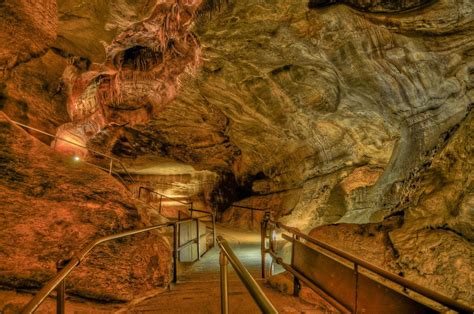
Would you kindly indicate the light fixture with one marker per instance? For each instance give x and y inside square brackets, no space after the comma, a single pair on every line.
[76,158]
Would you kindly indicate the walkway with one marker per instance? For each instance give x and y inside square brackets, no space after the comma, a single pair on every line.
[198,290]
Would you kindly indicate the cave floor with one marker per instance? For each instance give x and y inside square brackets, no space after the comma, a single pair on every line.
[198,287]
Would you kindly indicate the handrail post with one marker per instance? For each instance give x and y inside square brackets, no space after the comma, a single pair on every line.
[198,238]
[175,252]
[111,163]
[213,229]
[60,291]
[296,281]
[224,283]
[356,270]
[263,233]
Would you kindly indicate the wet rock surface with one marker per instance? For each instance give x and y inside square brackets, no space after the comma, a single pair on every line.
[52,207]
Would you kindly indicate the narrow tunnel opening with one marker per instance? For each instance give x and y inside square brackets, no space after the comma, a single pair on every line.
[138,58]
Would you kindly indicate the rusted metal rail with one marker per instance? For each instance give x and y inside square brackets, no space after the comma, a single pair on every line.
[342,278]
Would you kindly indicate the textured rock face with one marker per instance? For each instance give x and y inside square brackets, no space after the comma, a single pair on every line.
[30,73]
[432,245]
[326,114]
[141,72]
[336,104]
[52,207]
[33,93]
[27,28]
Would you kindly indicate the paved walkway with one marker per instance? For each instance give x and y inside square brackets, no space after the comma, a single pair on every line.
[198,290]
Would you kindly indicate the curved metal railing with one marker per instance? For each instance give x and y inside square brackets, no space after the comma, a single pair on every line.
[226,256]
[112,159]
[58,281]
[300,239]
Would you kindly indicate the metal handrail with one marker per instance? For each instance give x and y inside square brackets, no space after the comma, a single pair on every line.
[433,295]
[251,208]
[112,159]
[162,195]
[57,282]
[227,255]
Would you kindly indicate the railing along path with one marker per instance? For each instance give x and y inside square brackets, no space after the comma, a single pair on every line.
[316,249]
[342,279]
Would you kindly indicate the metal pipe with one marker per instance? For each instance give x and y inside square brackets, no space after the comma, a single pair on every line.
[224,283]
[255,291]
[166,196]
[198,238]
[296,281]
[175,252]
[442,299]
[214,229]
[185,245]
[61,290]
[60,298]
[248,207]
[263,233]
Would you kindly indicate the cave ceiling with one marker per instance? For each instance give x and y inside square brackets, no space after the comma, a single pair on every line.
[285,95]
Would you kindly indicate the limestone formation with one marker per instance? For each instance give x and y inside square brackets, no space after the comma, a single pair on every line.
[52,207]
[27,29]
[432,243]
[324,111]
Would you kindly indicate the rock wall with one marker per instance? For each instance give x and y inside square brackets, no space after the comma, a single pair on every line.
[431,242]
[336,104]
[52,207]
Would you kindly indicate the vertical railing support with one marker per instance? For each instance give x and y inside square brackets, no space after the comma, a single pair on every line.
[296,281]
[198,238]
[356,270]
[60,291]
[213,229]
[175,252]
[111,164]
[224,283]
[263,233]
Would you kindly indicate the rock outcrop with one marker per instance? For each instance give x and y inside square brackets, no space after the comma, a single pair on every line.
[52,207]
[27,30]
[431,243]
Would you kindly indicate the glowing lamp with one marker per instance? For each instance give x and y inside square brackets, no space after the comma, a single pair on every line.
[76,158]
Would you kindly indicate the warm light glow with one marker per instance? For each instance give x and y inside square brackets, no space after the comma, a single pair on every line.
[76,158]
